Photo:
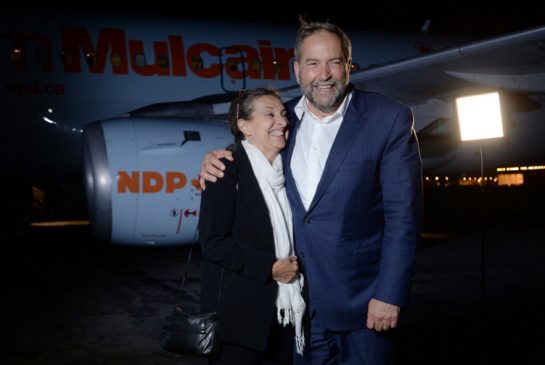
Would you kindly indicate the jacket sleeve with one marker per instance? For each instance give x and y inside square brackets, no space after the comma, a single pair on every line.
[216,221]
[401,183]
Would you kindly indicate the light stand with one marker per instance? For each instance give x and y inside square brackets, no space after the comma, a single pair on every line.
[479,118]
[483,247]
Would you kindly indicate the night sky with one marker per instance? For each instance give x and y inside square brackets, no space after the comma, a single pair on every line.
[460,18]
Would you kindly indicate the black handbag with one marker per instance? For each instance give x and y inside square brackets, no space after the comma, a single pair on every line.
[194,334]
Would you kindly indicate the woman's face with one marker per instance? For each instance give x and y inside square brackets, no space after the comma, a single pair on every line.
[267,126]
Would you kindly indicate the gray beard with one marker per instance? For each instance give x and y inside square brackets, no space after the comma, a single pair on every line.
[329,107]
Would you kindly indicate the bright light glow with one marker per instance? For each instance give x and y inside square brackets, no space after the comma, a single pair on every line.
[510,179]
[521,168]
[46,119]
[103,180]
[479,116]
[60,223]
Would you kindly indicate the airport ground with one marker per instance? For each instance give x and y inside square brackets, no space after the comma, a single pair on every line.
[68,299]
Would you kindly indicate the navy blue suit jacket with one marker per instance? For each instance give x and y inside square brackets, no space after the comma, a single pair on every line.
[358,239]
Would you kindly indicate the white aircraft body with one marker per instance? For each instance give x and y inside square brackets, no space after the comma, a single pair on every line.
[150,95]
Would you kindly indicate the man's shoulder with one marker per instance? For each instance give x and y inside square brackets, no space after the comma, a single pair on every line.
[375,99]
[290,104]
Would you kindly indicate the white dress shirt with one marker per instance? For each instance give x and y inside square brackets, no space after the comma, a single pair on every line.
[312,145]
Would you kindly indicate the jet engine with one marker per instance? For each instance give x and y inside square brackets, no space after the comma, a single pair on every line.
[141,176]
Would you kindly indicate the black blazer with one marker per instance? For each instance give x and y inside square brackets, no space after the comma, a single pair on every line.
[235,233]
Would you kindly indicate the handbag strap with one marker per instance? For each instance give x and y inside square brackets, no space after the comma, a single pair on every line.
[184,276]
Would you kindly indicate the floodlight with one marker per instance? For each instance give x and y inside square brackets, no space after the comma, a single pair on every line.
[479,116]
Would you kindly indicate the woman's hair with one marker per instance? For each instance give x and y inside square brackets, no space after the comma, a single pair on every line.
[242,107]
[307,29]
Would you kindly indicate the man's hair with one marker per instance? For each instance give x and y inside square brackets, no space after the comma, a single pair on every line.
[241,107]
[307,29]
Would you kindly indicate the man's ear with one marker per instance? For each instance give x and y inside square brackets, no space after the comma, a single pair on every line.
[296,70]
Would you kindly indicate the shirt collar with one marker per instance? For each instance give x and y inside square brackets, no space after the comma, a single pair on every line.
[302,107]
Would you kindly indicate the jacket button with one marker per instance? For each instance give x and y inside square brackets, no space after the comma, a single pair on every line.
[307,220]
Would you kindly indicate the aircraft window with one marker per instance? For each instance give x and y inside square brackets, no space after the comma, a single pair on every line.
[41,56]
[116,59]
[91,58]
[66,57]
[256,65]
[277,66]
[15,55]
[355,66]
[162,61]
[140,60]
[231,64]
[196,63]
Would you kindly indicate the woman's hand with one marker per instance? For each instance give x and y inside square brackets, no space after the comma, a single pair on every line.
[284,270]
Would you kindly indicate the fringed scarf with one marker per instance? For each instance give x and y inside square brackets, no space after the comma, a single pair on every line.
[289,301]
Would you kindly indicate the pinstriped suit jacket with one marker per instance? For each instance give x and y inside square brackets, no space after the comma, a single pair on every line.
[358,239]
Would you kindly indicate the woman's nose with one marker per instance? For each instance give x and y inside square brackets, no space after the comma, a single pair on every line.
[282,121]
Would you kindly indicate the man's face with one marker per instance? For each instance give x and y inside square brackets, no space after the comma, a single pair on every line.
[322,72]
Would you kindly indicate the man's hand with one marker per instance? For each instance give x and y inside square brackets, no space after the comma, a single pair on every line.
[211,166]
[382,316]
[284,270]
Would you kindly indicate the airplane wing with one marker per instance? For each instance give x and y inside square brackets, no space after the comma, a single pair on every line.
[513,63]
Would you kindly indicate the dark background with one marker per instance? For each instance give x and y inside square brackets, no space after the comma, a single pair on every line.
[462,18]
[70,300]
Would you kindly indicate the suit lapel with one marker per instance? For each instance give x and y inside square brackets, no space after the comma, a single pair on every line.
[287,153]
[351,124]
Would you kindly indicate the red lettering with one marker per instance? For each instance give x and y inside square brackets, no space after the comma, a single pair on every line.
[249,55]
[20,50]
[124,182]
[114,39]
[283,56]
[175,180]
[267,57]
[170,57]
[160,50]
[194,57]
[152,182]
[177,55]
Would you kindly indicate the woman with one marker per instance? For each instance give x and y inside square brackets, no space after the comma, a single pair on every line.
[245,231]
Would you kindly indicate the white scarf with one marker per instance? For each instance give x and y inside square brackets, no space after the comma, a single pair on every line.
[290,305]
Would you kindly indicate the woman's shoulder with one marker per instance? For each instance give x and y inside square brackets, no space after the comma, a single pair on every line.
[232,168]
[240,158]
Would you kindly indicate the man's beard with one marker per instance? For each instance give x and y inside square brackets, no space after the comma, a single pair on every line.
[331,103]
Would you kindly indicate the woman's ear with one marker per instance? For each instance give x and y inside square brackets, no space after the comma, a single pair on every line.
[244,127]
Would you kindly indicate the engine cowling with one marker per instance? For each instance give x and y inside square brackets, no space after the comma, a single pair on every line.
[141,177]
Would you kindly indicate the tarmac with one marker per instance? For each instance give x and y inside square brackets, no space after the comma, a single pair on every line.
[69,299]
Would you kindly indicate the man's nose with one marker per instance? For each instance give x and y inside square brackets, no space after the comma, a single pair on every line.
[324,72]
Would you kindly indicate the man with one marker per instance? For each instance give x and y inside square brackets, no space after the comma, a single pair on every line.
[353,178]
